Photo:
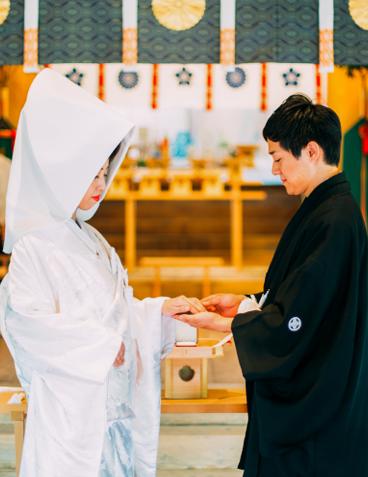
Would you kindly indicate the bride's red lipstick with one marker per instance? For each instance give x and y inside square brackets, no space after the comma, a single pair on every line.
[96,197]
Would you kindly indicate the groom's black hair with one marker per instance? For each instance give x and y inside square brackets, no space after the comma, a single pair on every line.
[298,121]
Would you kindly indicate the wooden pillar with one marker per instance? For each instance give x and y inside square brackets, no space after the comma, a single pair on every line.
[4,102]
[206,285]
[130,233]
[17,418]
[156,291]
[363,188]
[236,230]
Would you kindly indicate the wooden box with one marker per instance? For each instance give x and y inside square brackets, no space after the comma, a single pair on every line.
[186,370]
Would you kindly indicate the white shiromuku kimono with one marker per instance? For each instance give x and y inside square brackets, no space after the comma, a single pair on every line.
[66,305]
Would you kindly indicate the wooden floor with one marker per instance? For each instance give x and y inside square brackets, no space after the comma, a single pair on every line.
[172,473]
[181,452]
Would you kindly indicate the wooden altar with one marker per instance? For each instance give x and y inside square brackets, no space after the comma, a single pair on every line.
[163,185]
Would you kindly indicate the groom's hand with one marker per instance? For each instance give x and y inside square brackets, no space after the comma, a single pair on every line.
[207,320]
[225,304]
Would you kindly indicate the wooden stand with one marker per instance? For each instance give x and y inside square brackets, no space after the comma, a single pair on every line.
[186,370]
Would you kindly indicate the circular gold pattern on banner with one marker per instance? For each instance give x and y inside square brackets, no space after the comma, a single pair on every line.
[359,11]
[4,10]
[178,14]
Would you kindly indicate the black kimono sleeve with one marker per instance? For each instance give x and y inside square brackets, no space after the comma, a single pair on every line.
[298,350]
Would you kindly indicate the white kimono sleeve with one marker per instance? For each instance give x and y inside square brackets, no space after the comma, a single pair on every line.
[156,338]
[76,345]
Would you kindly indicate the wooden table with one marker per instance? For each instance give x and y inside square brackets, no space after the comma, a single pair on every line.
[17,414]
[218,401]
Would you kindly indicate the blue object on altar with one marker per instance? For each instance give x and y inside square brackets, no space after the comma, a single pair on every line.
[179,148]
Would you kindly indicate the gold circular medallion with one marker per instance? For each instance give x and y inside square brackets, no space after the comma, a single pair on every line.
[4,10]
[178,14]
[358,10]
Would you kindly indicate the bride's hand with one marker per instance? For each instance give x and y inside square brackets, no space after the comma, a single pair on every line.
[181,304]
[119,360]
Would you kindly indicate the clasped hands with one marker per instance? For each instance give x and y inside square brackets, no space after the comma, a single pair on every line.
[214,312]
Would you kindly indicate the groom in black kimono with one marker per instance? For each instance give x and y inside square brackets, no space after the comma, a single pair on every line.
[304,352]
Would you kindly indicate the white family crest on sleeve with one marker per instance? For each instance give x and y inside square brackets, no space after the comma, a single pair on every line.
[295,323]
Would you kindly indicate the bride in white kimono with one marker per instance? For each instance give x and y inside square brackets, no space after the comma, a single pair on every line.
[86,352]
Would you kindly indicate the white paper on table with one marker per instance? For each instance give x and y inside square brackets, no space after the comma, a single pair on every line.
[223,341]
[185,335]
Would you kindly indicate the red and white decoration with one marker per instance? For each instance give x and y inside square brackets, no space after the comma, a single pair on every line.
[326,28]
[284,79]
[251,86]
[237,87]
[182,85]
[227,33]
[137,81]
[130,32]
[83,74]
[31,14]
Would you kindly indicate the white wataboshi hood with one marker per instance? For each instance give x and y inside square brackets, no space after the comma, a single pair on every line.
[64,137]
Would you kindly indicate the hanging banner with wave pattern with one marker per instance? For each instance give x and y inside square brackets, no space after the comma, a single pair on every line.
[151,31]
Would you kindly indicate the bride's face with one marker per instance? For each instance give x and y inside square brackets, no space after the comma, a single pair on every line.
[93,194]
